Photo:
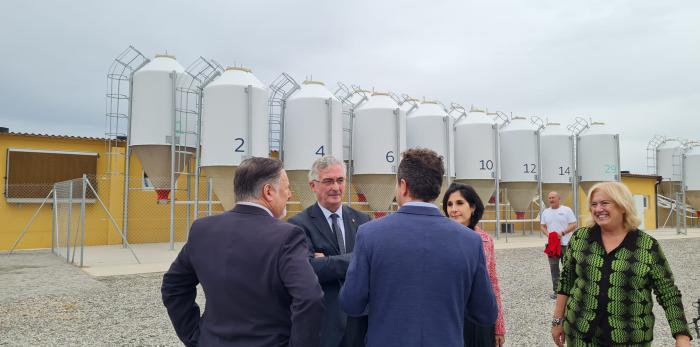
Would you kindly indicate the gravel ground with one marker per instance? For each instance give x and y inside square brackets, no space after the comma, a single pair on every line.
[44,301]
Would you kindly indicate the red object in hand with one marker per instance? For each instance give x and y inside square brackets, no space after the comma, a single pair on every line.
[553,249]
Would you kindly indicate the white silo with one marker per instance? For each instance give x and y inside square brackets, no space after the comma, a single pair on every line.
[669,156]
[234,127]
[429,126]
[379,137]
[475,152]
[557,151]
[313,127]
[151,119]
[598,156]
[692,175]
[519,158]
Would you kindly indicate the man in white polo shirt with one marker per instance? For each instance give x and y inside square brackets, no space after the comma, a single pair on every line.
[561,220]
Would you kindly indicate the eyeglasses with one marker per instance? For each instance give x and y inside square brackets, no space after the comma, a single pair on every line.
[329,181]
[602,203]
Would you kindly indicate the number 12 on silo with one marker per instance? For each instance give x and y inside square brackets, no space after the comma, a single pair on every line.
[530,168]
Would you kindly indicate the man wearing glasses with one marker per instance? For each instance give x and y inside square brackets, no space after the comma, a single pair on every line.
[330,230]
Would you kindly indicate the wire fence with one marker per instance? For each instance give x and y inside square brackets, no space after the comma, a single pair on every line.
[68,239]
[83,217]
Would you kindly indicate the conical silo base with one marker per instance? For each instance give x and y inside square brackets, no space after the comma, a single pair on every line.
[586,186]
[222,183]
[520,194]
[378,190]
[156,163]
[563,189]
[484,188]
[301,191]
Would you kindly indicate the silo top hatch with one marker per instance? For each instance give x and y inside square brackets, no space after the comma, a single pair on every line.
[162,62]
[237,76]
[379,100]
[312,89]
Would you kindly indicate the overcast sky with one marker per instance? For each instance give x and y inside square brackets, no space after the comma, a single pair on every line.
[632,64]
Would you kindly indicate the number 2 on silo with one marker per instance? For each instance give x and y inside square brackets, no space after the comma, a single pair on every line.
[240,146]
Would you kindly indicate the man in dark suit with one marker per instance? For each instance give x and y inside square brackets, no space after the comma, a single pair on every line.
[330,248]
[425,274]
[260,289]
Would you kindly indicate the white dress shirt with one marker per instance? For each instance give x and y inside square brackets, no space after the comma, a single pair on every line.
[328,213]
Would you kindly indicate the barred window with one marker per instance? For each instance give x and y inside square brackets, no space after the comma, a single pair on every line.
[31,173]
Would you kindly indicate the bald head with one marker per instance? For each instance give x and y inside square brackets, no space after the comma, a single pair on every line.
[553,199]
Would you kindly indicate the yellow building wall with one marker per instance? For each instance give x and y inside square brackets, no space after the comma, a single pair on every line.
[148,221]
[646,187]
[15,216]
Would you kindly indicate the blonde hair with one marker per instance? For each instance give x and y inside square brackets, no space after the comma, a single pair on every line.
[622,197]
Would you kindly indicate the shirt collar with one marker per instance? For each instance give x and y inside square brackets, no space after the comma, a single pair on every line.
[327,213]
[248,203]
[420,203]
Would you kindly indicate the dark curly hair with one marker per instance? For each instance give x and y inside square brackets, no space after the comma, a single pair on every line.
[470,195]
[422,169]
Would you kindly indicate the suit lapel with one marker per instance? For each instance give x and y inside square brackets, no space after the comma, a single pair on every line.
[324,229]
[350,223]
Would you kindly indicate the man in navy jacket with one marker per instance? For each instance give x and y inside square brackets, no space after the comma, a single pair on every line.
[330,249]
[260,289]
[418,274]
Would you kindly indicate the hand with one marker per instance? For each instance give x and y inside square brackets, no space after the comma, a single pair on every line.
[682,341]
[500,340]
[558,335]
[319,255]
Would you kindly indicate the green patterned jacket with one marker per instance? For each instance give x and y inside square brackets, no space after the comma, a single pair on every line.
[610,294]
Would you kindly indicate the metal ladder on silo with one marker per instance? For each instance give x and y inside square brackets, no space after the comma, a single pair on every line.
[575,129]
[679,190]
[344,95]
[651,153]
[188,113]
[282,87]
[118,104]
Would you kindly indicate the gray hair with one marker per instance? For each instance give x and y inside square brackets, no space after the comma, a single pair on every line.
[253,174]
[322,164]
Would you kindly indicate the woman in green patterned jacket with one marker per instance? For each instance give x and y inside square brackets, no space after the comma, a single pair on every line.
[610,269]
